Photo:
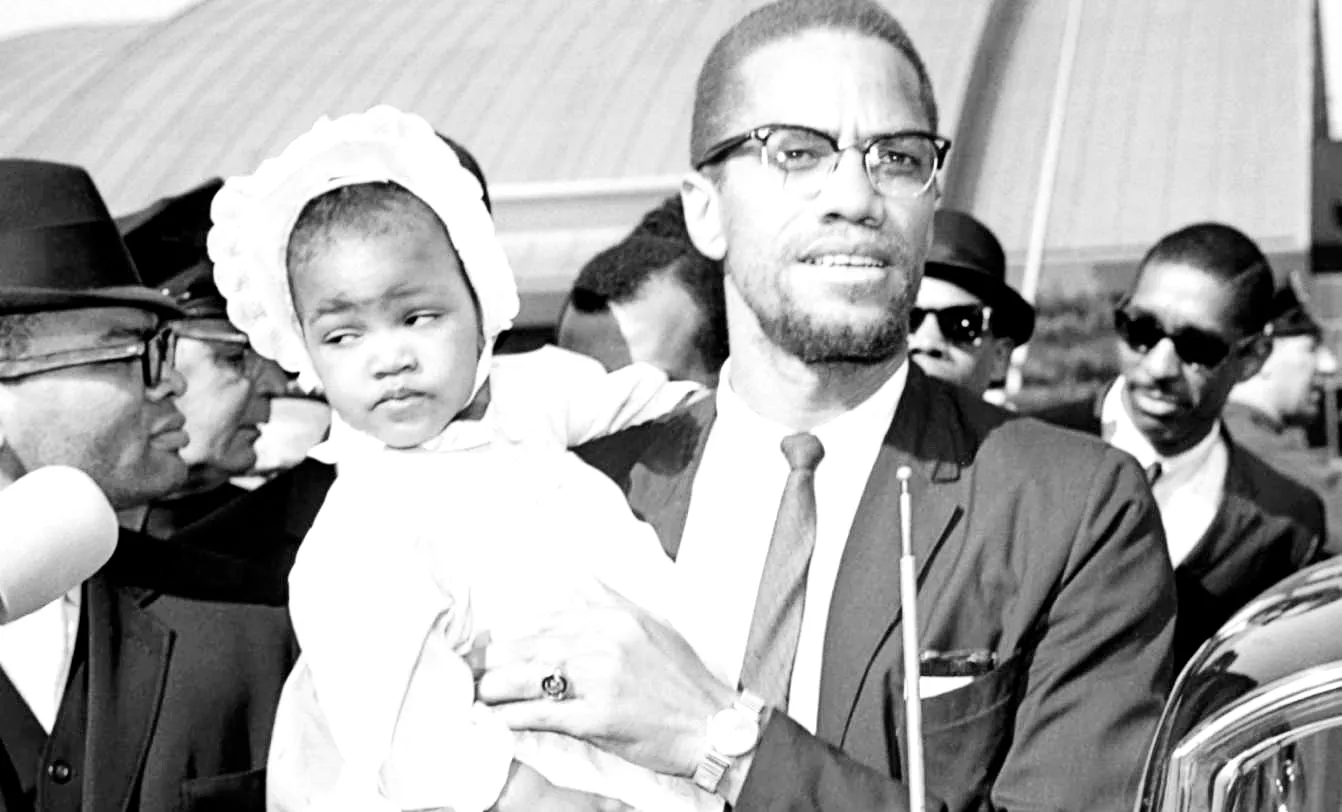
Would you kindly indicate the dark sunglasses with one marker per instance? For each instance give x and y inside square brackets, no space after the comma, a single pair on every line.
[1143,331]
[962,325]
[155,351]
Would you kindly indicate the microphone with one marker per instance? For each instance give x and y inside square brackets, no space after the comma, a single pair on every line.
[58,529]
[908,598]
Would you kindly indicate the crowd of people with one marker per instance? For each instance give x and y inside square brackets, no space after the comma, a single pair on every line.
[654,566]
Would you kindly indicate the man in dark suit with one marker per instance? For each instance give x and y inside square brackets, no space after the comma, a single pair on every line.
[1268,413]
[1045,595]
[1190,329]
[123,695]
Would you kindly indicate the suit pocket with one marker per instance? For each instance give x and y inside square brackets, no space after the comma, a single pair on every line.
[981,699]
[234,792]
[966,733]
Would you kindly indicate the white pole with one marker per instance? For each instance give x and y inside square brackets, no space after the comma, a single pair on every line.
[908,598]
[1048,171]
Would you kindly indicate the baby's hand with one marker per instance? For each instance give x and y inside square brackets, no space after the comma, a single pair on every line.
[529,790]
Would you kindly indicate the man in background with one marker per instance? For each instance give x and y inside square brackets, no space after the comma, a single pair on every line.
[652,298]
[1267,413]
[229,386]
[1193,325]
[967,319]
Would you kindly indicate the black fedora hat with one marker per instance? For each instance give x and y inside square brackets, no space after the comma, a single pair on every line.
[167,242]
[59,247]
[966,254]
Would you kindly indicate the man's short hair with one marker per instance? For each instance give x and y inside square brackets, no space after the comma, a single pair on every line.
[1229,255]
[718,88]
[619,273]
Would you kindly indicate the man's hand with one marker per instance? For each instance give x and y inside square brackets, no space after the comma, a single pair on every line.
[637,689]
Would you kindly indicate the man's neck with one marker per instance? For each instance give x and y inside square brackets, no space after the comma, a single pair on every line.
[1250,398]
[801,396]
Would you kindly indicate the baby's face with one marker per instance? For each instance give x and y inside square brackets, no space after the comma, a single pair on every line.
[392,330]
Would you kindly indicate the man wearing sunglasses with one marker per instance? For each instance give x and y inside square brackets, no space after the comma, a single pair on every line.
[1192,326]
[967,319]
[1045,604]
[123,689]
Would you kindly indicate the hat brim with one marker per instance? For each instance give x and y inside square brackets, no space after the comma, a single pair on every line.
[35,300]
[1017,316]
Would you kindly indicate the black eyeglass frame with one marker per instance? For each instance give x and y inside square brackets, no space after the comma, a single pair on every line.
[944,317]
[1224,348]
[158,346]
[723,149]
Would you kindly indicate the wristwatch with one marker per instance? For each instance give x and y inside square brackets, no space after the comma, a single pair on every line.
[732,732]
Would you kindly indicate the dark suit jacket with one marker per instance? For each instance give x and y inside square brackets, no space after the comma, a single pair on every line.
[169,707]
[1268,526]
[1038,545]
[1286,449]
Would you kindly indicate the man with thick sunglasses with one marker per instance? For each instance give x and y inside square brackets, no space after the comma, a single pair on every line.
[1192,326]
[127,688]
[967,319]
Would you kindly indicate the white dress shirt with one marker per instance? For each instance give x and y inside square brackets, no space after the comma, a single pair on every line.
[1191,485]
[35,653]
[733,504]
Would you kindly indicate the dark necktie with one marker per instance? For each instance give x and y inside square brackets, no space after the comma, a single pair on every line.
[1153,472]
[776,625]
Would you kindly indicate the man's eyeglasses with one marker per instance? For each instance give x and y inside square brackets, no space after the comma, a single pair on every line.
[1200,348]
[902,164]
[962,325]
[155,351]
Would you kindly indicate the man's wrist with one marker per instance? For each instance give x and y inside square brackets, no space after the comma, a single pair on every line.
[734,780]
[730,737]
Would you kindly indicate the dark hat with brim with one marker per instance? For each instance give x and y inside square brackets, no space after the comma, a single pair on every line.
[1290,312]
[59,247]
[966,254]
[167,242]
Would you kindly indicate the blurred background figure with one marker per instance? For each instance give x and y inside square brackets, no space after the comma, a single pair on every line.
[1268,413]
[967,319]
[652,297]
[229,386]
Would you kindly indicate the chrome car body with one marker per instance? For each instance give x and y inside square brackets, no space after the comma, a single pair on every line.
[1255,719]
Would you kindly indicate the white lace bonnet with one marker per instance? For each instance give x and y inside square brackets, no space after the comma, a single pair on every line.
[254,214]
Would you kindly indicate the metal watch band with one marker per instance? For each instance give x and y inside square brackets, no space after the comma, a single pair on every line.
[713,765]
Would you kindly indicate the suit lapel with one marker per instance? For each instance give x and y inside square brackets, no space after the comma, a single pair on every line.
[865,609]
[22,738]
[661,482]
[127,674]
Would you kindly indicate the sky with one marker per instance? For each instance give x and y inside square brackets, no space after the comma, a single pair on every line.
[22,16]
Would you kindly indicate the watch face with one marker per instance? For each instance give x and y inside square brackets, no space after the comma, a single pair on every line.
[733,733]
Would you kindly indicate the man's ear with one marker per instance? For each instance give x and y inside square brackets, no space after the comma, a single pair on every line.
[1255,355]
[1002,349]
[703,215]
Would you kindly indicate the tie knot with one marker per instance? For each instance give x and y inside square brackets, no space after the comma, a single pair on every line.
[803,451]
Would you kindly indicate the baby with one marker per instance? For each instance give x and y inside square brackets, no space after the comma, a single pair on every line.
[364,259]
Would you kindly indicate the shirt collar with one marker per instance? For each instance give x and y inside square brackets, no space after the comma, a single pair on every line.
[1118,429]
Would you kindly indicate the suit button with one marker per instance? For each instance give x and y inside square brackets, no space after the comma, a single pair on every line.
[60,772]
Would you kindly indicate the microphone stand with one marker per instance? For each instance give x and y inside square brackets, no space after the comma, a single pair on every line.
[908,597]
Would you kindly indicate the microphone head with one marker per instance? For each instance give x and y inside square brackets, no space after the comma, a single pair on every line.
[58,530]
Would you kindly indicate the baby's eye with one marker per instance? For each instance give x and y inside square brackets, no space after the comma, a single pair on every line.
[421,319]
[339,337]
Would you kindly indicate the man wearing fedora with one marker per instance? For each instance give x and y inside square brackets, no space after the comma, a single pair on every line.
[125,694]
[1194,323]
[1268,413]
[967,319]
[229,385]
